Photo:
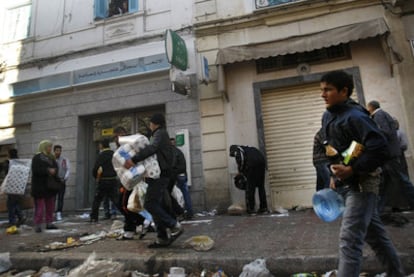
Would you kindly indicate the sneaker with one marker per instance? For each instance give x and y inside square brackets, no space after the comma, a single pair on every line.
[176,230]
[160,243]
[51,226]
[59,216]
[263,211]
[127,235]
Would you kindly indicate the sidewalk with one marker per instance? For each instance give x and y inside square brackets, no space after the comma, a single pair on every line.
[297,242]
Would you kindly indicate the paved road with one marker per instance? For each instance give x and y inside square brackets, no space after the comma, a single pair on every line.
[297,242]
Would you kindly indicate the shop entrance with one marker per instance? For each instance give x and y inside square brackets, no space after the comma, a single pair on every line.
[101,127]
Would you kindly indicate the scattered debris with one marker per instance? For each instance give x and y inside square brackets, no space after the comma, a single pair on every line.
[97,268]
[200,243]
[235,209]
[257,268]
[5,262]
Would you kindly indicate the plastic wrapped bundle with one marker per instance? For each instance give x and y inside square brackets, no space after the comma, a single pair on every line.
[136,141]
[130,145]
[121,155]
[152,167]
[130,177]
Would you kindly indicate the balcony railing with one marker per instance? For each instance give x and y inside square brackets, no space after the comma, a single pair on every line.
[260,4]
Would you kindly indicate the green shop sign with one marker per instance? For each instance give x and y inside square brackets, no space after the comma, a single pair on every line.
[176,50]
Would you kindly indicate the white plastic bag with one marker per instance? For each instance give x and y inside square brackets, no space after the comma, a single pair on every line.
[97,268]
[136,199]
[178,195]
[256,268]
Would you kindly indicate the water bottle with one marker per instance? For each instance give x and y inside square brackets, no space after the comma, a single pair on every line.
[328,204]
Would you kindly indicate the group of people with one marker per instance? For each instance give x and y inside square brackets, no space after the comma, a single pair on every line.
[47,202]
[395,188]
[158,200]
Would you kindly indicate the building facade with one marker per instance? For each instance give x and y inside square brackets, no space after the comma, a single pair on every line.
[270,55]
[73,71]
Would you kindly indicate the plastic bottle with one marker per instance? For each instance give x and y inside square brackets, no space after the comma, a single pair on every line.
[328,204]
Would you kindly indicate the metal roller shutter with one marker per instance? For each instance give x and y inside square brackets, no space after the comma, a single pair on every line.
[291,117]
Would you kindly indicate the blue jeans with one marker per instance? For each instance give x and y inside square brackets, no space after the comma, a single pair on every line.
[182,185]
[361,222]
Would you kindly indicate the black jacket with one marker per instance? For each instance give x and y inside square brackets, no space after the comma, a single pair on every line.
[160,145]
[40,172]
[343,123]
[105,161]
[179,163]
[248,157]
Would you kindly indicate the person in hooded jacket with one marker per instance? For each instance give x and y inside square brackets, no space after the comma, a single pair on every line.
[168,228]
[43,165]
[252,164]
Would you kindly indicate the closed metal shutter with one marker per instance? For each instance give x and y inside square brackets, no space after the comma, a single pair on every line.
[291,117]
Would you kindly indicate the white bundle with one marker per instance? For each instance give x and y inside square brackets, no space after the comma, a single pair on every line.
[130,177]
[122,154]
[18,176]
[136,141]
[151,167]
[130,145]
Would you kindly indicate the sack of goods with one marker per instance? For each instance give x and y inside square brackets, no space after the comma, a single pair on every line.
[129,146]
[17,177]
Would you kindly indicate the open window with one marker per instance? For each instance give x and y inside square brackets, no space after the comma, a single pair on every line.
[110,8]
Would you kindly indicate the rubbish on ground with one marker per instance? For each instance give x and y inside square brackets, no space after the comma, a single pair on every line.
[176,272]
[281,210]
[200,243]
[331,273]
[97,268]
[205,213]
[235,209]
[197,221]
[305,275]
[12,230]
[84,216]
[25,273]
[140,274]
[257,268]
[5,262]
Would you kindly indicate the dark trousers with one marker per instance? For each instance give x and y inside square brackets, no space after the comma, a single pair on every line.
[155,204]
[13,207]
[108,188]
[255,178]
[395,185]
[132,220]
[60,197]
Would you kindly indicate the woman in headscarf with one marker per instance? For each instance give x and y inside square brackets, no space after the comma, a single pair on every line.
[43,165]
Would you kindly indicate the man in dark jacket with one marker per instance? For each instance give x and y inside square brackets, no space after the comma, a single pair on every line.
[396,183]
[251,163]
[168,228]
[106,179]
[345,121]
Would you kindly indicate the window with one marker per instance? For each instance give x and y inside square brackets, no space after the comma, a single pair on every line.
[16,21]
[269,3]
[109,8]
